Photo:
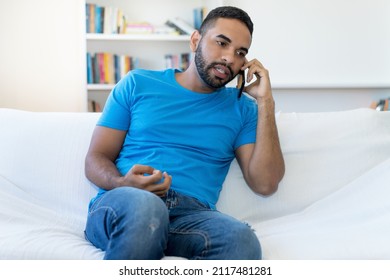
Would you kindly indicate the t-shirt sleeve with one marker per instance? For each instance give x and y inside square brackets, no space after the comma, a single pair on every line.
[247,134]
[117,111]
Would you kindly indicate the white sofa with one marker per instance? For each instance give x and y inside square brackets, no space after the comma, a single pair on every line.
[333,203]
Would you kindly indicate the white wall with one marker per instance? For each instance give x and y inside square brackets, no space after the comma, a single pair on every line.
[324,43]
[326,100]
[323,55]
[42,55]
[42,52]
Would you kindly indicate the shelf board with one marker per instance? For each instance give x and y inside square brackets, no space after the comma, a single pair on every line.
[137,37]
[100,86]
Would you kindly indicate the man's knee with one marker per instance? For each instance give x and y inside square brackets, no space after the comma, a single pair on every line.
[246,244]
[135,221]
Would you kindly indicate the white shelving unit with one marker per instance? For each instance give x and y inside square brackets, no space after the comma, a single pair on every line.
[112,43]
[149,49]
[137,37]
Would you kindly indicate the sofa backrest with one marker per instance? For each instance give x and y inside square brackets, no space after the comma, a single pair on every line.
[43,154]
[323,152]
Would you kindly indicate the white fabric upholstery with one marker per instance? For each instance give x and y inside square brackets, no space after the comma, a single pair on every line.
[332,204]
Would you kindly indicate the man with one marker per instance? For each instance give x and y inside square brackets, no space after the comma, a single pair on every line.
[164,143]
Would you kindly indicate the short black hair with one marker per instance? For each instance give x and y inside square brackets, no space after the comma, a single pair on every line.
[226,12]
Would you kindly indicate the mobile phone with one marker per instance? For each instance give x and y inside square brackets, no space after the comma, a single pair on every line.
[241,82]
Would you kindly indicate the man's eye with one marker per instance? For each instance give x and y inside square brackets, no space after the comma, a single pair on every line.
[222,44]
[241,53]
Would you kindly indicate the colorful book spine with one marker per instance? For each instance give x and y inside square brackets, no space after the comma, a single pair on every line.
[104,19]
[89,69]
[108,68]
[98,19]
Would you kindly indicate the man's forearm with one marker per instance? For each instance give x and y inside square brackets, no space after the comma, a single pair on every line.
[102,171]
[266,167]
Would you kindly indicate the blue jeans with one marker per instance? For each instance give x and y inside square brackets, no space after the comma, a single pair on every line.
[128,223]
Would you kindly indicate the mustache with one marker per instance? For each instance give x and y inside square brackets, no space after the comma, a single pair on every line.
[231,74]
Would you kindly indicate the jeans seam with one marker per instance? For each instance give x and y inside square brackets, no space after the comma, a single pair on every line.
[103,207]
[95,207]
[112,213]
[95,204]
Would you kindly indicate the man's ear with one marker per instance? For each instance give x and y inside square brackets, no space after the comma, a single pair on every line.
[194,41]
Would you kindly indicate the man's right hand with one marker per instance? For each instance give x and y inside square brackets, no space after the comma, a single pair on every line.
[100,168]
[147,178]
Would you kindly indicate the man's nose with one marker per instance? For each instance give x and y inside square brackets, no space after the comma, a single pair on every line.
[228,56]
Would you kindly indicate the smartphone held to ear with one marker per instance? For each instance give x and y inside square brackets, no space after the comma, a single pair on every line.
[241,82]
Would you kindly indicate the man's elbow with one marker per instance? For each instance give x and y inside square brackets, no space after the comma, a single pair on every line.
[265,189]
[264,186]
[264,183]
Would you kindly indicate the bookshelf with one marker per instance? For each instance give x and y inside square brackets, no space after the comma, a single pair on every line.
[111,43]
[137,37]
[148,50]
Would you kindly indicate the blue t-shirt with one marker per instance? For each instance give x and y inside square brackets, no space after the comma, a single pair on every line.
[192,136]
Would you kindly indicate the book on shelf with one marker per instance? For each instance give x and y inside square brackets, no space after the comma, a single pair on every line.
[112,20]
[108,68]
[381,105]
[165,30]
[141,27]
[94,106]
[182,27]
[177,61]
[199,15]
[89,69]
[104,19]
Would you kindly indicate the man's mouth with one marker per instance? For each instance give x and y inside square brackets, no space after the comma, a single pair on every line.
[222,72]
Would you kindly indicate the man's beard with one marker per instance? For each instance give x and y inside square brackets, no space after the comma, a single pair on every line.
[203,70]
